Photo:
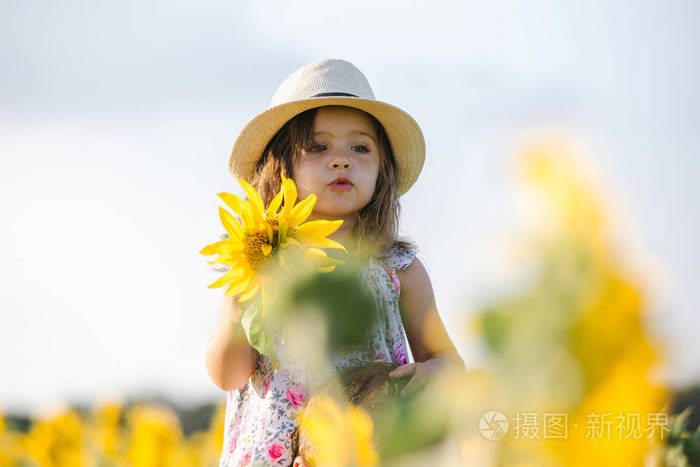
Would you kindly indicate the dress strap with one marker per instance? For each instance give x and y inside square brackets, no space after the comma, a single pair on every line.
[399,256]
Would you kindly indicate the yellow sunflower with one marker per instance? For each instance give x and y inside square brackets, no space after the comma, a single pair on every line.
[265,239]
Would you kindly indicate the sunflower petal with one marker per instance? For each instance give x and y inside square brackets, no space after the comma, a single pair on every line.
[324,262]
[256,204]
[290,196]
[269,291]
[233,228]
[302,211]
[282,227]
[253,196]
[238,205]
[317,229]
[291,242]
[315,253]
[275,203]
[240,287]
[230,278]
[252,290]
[220,247]
[319,254]
[324,243]
[284,265]
[230,258]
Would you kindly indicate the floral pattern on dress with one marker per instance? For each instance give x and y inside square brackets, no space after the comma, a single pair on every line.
[260,416]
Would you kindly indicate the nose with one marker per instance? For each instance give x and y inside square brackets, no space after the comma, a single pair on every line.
[339,160]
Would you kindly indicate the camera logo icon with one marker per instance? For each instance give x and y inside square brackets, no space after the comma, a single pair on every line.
[493,425]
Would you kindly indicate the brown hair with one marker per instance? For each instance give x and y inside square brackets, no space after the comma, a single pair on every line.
[377,223]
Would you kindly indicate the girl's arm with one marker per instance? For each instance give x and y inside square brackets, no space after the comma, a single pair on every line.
[230,359]
[426,334]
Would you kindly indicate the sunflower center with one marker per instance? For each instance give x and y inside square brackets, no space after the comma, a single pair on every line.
[255,241]
[253,248]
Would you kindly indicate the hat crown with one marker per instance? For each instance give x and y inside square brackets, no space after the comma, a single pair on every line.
[323,78]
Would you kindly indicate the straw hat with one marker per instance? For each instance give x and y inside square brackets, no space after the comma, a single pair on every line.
[330,82]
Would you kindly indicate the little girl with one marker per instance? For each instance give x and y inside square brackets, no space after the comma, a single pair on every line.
[325,130]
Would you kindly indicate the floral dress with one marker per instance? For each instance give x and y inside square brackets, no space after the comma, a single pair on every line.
[260,416]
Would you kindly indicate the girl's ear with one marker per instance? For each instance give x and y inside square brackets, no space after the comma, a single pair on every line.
[299,462]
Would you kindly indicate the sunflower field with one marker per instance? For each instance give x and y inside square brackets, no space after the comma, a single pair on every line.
[112,434]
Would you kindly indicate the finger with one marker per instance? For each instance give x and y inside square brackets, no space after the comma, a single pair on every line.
[415,383]
[403,370]
[231,305]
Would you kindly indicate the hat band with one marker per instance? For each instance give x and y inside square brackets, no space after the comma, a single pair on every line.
[328,94]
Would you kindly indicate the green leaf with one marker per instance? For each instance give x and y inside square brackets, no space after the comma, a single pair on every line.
[692,447]
[254,328]
[677,427]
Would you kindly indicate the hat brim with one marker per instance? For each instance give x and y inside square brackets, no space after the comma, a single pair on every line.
[405,136]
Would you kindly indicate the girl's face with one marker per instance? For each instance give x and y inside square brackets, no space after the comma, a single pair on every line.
[342,164]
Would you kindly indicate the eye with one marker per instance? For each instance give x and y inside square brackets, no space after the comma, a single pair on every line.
[316,147]
[360,148]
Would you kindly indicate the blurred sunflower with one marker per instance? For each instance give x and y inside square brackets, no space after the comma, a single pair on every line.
[268,238]
[330,434]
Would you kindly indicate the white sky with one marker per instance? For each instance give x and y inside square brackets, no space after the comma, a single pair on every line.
[116,119]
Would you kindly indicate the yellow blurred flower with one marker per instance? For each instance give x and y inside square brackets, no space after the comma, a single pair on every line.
[155,436]
[575,207]
[9,445]
[106,430]
[571,348]
[148,435]
[56,441]
[336,436]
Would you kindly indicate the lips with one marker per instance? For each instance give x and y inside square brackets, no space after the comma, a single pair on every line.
[341,183]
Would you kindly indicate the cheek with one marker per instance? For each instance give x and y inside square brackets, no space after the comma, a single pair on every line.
[304,180]
[304,189]
[371,187]
[373,175]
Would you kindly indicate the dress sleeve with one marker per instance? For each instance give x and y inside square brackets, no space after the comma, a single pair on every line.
[400,256]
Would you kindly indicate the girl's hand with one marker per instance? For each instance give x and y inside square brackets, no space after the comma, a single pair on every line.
[420,373]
